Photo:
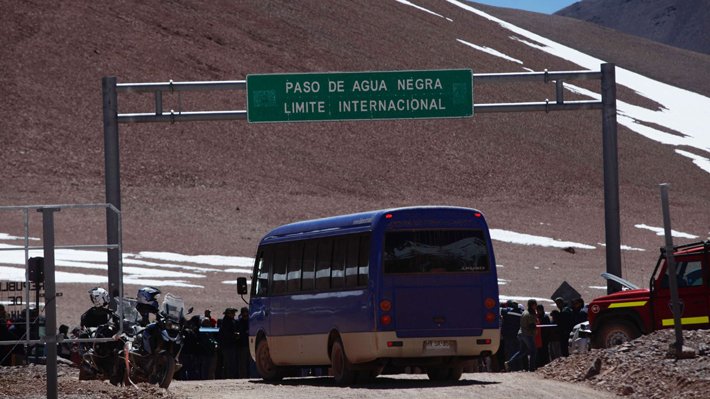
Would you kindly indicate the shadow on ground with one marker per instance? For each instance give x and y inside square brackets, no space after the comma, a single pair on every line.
[379,383]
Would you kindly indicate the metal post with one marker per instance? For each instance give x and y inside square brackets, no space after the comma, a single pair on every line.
[113,181]
[672,277]
[50,295]
[611,177]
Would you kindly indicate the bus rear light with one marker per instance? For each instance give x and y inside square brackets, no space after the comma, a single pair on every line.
[483,342]
[489,303]
[386,320]
[385,305]
[393,344]
[477,214]
[388,216]
[490,317]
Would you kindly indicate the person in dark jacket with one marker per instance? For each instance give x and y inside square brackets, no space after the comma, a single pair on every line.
[243,357]
[99,313]
[510,315]
[190,354]
[564,325]
[227,337]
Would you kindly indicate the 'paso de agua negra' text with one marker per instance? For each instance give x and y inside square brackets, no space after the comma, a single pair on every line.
[369,105]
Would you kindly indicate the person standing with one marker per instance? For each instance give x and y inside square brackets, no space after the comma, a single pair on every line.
[4,336]
[510,325]
[227,336]
[579,313]
[64,348]
[554,348]
[243,356]
[543,338]
[208,316]
[526,337]
[564,325]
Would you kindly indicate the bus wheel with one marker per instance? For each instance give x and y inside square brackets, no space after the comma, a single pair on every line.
[616,332]
[264,365]
[445,374]
[342,369]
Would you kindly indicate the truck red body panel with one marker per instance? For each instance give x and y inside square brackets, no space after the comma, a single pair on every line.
[626,314]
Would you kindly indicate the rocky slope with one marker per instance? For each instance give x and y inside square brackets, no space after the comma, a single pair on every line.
[679,23]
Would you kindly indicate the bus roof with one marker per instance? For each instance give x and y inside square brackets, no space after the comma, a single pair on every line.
[362,221]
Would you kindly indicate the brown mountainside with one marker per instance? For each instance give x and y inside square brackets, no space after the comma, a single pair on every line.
[217,187]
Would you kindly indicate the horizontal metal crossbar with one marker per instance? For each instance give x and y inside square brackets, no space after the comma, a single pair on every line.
[83,246]
[181,86]
[62,206]
[182,116]
[537,76]
[538,106]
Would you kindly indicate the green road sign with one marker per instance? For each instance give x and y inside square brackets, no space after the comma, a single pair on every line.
[359,95]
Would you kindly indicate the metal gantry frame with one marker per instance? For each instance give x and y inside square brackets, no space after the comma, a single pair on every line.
[606,75]
[51,337]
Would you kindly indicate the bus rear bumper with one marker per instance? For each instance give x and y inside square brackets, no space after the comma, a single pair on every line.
[367,347]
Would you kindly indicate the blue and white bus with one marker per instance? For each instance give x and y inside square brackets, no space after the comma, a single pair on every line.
[400,287]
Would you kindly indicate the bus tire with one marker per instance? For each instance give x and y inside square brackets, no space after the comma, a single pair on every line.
[616,332]
[445,374]
[342,369]
[264,365]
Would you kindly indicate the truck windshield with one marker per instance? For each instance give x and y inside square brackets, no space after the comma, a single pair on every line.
[435,251]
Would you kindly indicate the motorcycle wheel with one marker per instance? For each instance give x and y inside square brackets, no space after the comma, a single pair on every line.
[85,372]
[119,370]
[164,370]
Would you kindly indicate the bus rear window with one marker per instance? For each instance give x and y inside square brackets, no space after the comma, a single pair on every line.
[435,251]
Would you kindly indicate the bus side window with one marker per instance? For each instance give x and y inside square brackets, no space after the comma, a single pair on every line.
[263,269]
[363,260]
[278,275]
[325,251]
[351,261]
[309,264]
[337,272]
[295,257]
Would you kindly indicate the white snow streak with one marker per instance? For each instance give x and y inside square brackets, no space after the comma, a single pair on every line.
[490,51]
[660,231]
[409,3]
[527,239]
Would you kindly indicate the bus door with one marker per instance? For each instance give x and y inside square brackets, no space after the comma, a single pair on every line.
[693,292]
[260,302]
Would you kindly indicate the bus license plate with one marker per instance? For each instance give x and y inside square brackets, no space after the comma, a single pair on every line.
[439,345]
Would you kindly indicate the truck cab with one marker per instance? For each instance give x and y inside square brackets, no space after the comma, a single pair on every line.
[625,315]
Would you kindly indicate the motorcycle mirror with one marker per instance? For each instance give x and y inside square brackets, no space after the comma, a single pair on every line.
[190,310]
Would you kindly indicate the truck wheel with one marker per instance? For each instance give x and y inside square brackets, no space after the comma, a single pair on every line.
[615,333]
[264,365]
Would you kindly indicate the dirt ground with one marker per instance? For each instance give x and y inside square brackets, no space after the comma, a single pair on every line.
[638,369]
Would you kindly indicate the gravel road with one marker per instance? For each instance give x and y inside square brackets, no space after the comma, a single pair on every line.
[488,385]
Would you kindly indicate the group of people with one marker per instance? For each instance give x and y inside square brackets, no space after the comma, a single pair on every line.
[14,328]
[532,338]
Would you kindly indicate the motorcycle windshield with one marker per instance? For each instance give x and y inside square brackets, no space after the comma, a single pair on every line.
[173,307]
[130,313]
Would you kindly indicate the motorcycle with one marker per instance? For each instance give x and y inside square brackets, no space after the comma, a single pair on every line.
[98,360]
[153,354]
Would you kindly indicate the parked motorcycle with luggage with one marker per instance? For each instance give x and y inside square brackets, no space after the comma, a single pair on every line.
[98,360]
[153,355]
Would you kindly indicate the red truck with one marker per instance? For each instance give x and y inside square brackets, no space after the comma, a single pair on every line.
[627,314]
